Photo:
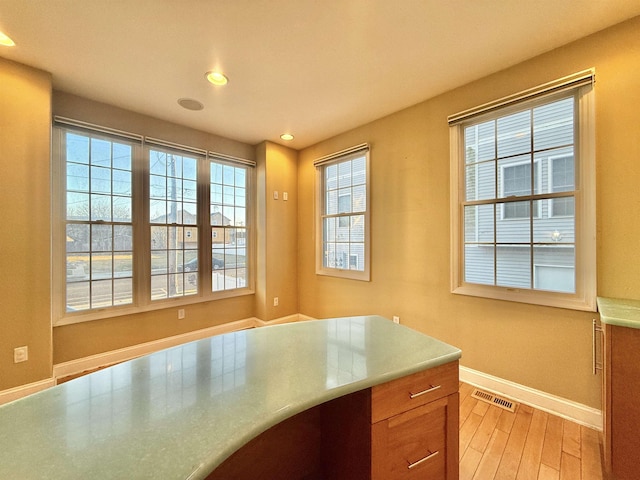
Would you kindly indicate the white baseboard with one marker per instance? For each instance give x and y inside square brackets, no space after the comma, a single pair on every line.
[74,367]
[99,360]
[576,412]
[92,362]
[12,394]
[288,319]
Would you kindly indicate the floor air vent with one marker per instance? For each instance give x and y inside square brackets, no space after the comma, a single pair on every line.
[494,400]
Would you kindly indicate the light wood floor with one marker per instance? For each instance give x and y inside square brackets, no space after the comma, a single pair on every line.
[496,444]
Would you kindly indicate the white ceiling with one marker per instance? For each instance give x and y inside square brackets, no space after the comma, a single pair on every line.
[314,68]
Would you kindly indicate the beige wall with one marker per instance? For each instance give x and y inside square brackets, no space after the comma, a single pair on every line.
[544,348]
[25,300]
[277,231]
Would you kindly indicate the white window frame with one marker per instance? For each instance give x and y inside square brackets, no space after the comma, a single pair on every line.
[142,301]
[585,196]
[320,164]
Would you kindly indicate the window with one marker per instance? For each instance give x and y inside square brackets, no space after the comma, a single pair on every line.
[343,222]
[98,221]
[228,212]
[141,224]
[173,223]
[523,197]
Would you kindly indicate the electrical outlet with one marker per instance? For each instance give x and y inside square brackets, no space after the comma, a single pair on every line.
[180,313]
[275,194]
[20,354]
[396,319]
[275,301]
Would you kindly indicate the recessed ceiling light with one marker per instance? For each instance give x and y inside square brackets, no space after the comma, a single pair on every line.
[216,78]
[286,136]
[190,104]
[6,41]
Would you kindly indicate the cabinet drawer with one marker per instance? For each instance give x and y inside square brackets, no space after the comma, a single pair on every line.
[413,391]
[412,445]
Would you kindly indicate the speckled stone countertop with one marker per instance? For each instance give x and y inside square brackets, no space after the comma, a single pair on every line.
[179,413]
[619,312]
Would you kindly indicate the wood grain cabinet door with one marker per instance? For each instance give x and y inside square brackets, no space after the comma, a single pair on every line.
[414,444]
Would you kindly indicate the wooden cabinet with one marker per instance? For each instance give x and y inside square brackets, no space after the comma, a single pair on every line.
[415,426]
[403,429]
[621,405]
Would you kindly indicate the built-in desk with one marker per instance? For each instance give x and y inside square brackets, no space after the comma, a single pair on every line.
[183,412]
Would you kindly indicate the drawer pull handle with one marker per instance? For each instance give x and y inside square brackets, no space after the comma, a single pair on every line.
[428,390]
[422,460]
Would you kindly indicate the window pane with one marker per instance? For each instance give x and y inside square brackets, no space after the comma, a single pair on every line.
[101,266]
[121,182]
[359,171]
[101,238]
[122,238]
[331,202]
[344,200]
[331,177]
[514,176]
[479,223]
[554,268]
[356,256]
[514,134]
[77,177]
[553,124]
[122,156]
[329,255]
[101,294]
[77,148]
[480,142]
[330,229]
[78,267]
[122,291]
[359,198]
[100,152]
[77,206]
[513,266]
[101,208]
[100,180]
[479,264]
[357,228]
[556,229]
[481,181]
[344,174]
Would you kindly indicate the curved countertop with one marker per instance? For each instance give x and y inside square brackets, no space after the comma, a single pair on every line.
[184,410]
[619,312]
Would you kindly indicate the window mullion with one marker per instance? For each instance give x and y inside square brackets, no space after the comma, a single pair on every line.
[141,231]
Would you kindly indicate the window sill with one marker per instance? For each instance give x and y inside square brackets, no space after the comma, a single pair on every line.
[532,297]
[111,312]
